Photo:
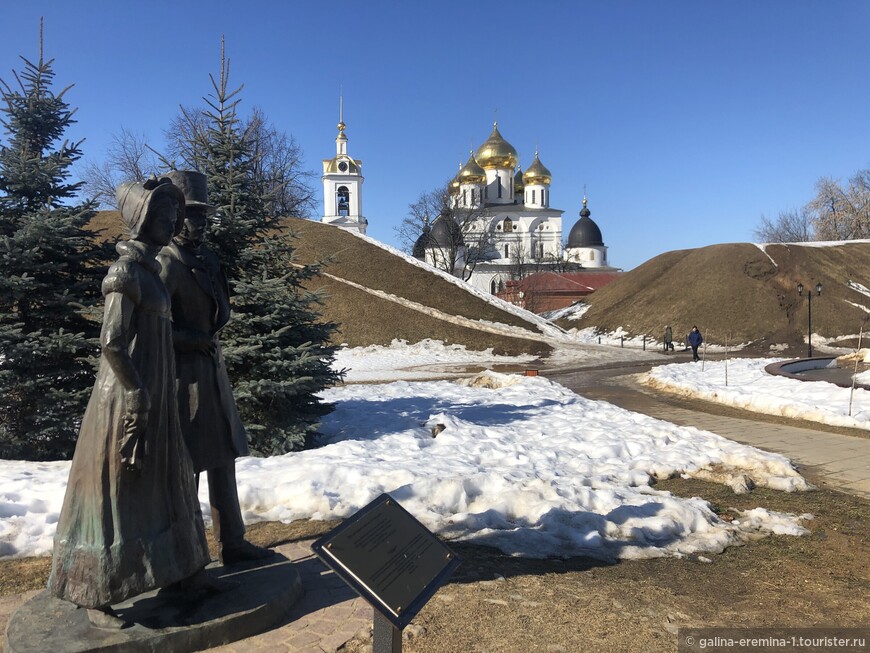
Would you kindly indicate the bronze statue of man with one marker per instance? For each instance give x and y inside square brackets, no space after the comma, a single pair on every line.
[210,421]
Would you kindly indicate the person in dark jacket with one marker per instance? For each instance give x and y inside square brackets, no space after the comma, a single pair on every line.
[669,339]
[695,340]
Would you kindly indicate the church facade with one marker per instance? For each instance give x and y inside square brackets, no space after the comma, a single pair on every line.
[500,225]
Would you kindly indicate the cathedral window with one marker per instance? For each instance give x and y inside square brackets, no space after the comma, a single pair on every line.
[533,197]
[540,249]
[507,251]
[493,286]
[342,197]
[508,225]
[465,196]
[498,181]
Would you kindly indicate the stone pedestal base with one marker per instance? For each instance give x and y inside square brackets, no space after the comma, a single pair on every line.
[166,622]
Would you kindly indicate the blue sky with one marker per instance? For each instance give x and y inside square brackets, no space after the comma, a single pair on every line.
[686,121]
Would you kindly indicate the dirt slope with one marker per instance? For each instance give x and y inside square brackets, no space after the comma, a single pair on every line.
[737,289]
[376,296]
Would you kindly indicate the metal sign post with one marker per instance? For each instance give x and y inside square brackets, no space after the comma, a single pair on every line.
[392,561]
[386,638]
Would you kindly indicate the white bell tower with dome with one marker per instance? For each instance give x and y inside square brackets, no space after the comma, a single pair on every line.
[342,185]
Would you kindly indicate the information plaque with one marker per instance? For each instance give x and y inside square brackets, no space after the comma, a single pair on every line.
[389,558]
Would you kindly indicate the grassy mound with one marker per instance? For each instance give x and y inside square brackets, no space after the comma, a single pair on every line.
[737,293]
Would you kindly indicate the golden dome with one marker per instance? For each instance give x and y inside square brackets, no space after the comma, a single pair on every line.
[519,185]
[334,166]
[496,152]
[472,173]
[454,183]
[537,173]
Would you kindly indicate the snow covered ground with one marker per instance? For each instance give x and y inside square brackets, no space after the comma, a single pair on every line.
[747,386]
[427,359]
[521,464]
[431,359]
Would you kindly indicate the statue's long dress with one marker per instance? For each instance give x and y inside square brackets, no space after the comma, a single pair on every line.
[122,533]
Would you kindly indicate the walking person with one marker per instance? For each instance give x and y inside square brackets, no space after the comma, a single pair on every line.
[695,340]
[669,339]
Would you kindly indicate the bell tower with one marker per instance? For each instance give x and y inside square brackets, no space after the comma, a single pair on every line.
[342,184]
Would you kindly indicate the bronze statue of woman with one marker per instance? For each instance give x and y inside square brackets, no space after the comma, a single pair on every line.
[130,520]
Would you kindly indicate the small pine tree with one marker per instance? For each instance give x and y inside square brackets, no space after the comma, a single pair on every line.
[49,274]
[276,346]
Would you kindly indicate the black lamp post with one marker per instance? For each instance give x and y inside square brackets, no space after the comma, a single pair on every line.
[809,314]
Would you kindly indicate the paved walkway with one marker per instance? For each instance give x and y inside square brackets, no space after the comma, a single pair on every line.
[841,462]
[325,618]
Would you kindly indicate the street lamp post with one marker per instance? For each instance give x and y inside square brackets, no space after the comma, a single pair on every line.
[809,314]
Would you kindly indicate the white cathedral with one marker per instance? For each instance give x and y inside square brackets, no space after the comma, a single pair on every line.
[508,225]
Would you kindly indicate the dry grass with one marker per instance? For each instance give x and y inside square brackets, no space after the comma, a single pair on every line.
[365,319]
[19,575]
[355,259]
[735,292]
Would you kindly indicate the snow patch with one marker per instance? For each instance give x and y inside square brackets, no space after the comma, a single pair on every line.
[524,465]
[749,387]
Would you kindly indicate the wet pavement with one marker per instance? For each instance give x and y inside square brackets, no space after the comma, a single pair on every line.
[838,461]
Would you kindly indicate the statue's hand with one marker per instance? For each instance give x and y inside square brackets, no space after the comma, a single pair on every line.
[193,342]
[132,447]
[205,346]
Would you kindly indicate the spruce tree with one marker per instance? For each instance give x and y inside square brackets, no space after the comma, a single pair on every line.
[276,345]
[50,270]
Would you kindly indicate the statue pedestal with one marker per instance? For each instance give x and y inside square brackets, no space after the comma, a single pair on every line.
[169,621]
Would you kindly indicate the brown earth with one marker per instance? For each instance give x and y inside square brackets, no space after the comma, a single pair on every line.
[735,293]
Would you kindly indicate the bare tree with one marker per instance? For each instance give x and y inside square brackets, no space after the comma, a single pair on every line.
[420,215]
[559,263]
[279,169]
[456,239]
[279,172]
[522,263]
[184,137]
[842,213]
[795,226]
[128,158]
